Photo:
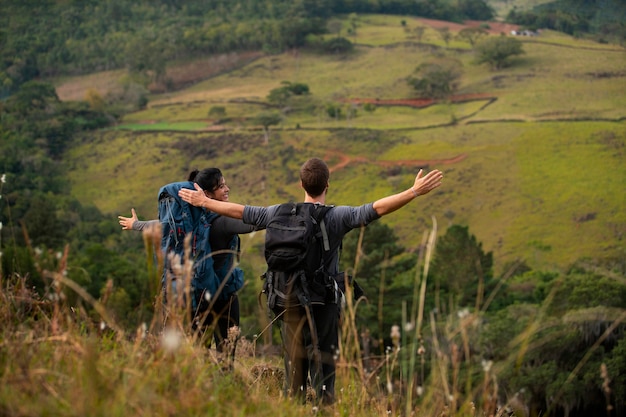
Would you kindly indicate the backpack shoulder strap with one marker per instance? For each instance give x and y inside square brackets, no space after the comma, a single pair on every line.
[169,192]
[319,214]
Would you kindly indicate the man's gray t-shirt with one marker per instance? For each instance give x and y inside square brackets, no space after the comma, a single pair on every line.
[339,221]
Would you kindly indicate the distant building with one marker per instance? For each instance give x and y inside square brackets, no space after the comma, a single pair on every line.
[524,33]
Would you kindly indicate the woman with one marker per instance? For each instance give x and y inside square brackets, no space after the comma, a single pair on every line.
[223,231]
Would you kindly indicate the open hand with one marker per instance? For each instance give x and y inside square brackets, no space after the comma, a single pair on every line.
[127,222]
[426,183]
[195,198]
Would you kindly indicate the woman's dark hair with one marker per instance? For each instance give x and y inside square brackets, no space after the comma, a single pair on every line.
[208,179]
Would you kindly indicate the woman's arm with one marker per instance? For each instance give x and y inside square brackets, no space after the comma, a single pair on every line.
[132,223]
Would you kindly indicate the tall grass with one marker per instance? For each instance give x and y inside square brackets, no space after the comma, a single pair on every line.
[74,360]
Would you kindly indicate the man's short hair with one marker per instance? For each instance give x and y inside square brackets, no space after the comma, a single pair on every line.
[314,175]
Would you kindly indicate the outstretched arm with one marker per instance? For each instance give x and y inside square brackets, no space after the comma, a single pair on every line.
[131,223]
[199,199]
[127,222]
[423,185]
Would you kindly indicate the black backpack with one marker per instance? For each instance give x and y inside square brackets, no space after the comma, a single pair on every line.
[296,247]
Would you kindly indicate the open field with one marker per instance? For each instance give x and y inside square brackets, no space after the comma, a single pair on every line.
[543,156]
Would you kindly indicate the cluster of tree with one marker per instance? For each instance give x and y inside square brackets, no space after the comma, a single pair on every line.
[603,18]
[47,38]
[38,216]
[439,77]
[549,334]
[568,320]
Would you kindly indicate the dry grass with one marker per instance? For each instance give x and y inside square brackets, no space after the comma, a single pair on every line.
[67,359]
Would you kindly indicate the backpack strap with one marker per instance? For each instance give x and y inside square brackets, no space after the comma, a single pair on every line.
[318,218]
[170,192]
[326,243]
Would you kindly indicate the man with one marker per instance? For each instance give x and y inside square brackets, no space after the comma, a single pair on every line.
[314,178]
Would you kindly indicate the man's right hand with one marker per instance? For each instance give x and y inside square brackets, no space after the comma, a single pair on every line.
[427,183]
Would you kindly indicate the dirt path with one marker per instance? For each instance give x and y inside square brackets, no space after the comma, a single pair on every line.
[420,102]
[494,28]
[345,160]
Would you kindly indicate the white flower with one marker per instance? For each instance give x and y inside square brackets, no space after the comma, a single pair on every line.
[3,178]
[486,365]
[419,390]
[142,330]
[395,335]
[171,340]
[409,326]
[103,325]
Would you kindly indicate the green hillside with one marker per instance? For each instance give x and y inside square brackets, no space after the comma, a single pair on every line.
[533,159]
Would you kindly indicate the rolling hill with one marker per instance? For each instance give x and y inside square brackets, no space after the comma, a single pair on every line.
[533,155]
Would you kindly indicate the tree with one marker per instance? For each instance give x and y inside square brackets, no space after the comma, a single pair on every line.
[354,24]
[217,111]
[445,35]
[43,225]
[267,119]
[461,268]
[281,95]
[472,35]
[436,79]
[573,330]
[419,33]
[95,100]
[379,271]
[496,51]
[476,9]
[337,45]
[33,96]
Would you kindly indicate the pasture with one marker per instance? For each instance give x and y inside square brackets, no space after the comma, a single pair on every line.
[543,158]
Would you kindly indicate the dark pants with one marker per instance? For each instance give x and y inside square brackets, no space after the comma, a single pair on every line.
[302,359]
[226,312]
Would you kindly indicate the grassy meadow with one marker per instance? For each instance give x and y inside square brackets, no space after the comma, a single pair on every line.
[538,163]
[534,166]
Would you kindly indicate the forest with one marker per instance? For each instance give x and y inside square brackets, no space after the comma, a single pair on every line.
[548,331]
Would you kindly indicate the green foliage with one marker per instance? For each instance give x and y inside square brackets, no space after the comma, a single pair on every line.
[369,107]
[461,270]
[338,45]
[37,215]
[585,288]
[333,110]
[566,327]
[268,119]
[540,323]
[217,111]
[281,95]
[472,34]
[496,51]
[475,9]
[602,19]
[375,264]
[437,78]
